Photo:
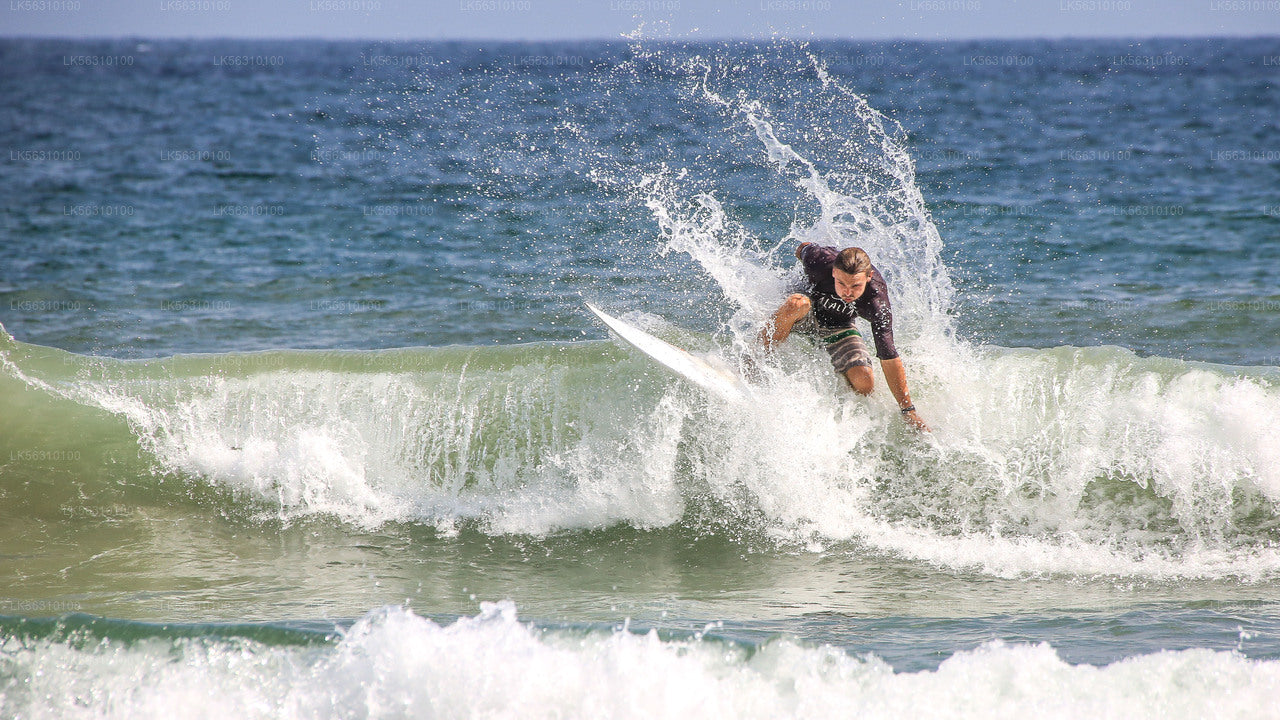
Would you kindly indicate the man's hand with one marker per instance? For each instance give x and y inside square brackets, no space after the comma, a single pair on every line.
[895,376]
[913,419]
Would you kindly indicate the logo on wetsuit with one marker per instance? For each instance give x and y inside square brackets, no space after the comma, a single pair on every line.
[833,308]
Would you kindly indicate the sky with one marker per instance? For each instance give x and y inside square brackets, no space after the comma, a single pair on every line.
[611,19]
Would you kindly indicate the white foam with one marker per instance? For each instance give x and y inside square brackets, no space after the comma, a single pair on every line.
[518,450]
[1007,484]
[394,664]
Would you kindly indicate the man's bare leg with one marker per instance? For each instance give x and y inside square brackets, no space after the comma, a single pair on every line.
[779,328]
[861,379]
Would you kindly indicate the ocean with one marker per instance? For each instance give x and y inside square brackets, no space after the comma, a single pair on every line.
[302,413]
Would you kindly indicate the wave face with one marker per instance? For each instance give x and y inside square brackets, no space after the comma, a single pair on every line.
[1090,461]
[1077,460]
[393,663]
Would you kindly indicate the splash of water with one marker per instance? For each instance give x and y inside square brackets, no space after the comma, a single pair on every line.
[1088,460]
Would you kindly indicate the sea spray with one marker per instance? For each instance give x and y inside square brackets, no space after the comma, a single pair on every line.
[1107,461]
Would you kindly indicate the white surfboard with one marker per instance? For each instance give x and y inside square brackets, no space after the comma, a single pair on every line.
[718,381]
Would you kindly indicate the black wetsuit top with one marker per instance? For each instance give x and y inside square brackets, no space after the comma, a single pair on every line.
[833,313]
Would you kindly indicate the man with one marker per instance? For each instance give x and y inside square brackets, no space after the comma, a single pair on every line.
[842,287]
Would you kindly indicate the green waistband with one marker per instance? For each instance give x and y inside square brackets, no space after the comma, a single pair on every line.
[838,336]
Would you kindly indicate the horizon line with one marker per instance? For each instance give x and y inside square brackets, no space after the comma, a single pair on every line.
[624,38]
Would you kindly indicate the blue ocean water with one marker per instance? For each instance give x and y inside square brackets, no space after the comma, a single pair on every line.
[303,412]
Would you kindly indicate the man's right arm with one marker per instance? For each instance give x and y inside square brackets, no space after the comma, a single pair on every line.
[779,327]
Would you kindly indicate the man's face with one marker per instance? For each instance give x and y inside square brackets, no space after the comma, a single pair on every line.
[849,287]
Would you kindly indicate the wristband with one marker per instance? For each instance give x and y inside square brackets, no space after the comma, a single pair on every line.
[908,409]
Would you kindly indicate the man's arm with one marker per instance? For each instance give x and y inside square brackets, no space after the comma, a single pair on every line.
[895,373]
[779,327]
[895,376]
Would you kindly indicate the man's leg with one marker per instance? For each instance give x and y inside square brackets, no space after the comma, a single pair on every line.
[850,359]
[861,379]
[795,307]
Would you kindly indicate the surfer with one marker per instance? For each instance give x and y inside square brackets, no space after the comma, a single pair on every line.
[844,285]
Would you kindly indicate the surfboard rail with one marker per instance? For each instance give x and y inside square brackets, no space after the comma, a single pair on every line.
[717,381]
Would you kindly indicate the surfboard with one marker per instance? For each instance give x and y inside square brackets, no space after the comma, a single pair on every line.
[720,382]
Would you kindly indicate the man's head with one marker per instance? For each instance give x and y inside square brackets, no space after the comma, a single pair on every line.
[851,271]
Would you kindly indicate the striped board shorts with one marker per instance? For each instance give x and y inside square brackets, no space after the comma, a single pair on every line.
[847,349]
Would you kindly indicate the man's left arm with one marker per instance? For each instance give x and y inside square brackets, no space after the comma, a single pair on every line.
[895,376]
[895,373]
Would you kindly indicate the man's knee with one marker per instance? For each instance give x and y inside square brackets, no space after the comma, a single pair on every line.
[861,379]
[797,306]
